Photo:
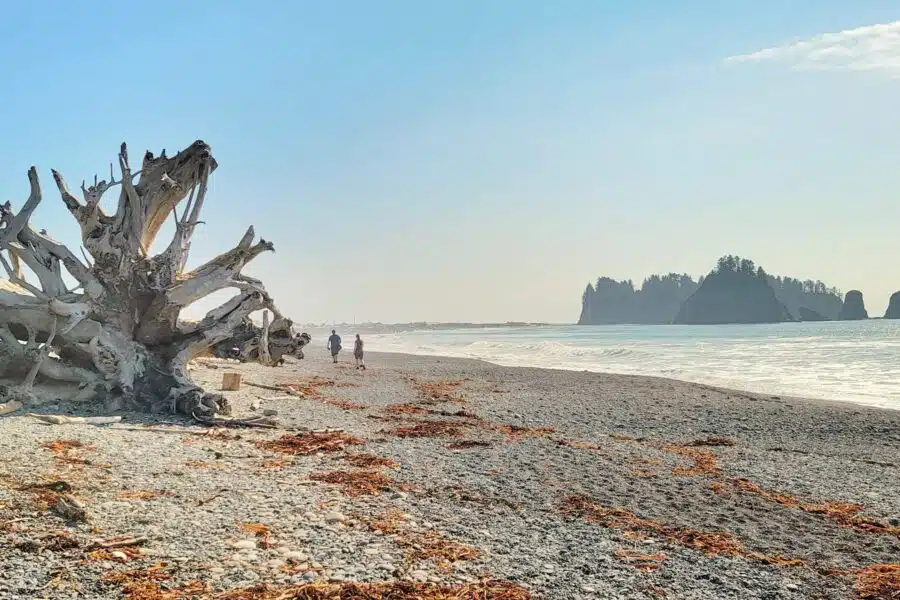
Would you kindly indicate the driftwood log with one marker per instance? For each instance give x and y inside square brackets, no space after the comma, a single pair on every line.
[106,323]
[244,343]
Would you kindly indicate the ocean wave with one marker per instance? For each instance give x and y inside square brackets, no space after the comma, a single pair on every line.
[487,350]
[545,348]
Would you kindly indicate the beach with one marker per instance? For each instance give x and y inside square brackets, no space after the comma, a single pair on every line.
[551,483]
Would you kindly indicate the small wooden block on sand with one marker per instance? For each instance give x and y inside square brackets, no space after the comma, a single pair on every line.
[231,382]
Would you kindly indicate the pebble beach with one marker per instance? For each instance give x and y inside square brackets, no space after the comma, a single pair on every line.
[460,477]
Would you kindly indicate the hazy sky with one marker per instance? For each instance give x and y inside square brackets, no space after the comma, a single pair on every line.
[477,160]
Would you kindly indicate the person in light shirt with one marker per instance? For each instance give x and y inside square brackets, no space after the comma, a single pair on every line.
[358,353]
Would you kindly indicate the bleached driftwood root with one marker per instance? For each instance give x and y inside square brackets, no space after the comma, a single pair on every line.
[64,420]
[244,344]
[114,332]
[252,422]
[10,407]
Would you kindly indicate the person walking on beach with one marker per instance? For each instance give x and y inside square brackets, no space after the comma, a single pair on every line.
[358,353]
[334,344]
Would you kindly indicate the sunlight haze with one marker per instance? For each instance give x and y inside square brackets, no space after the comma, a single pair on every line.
[482,161]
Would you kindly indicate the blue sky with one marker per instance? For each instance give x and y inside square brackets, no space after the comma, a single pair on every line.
[481,161]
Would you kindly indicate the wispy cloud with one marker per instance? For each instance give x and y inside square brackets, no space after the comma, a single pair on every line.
[869,48]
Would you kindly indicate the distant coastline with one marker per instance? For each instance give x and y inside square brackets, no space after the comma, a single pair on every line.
[382,328]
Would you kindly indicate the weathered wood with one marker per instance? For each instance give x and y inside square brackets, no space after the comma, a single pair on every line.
[10,407]
[244,343]
[198,432]
[273,388]
[231,382]
[117,334]
[252,422]
[265,357]
[71,508]
[64,420]
[116,542]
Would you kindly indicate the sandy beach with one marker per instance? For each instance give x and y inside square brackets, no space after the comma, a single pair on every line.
[550,484]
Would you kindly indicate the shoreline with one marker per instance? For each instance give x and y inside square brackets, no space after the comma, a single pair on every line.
[564,485]
[711,386]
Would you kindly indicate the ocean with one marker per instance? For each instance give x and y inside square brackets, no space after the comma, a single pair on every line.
[856,361]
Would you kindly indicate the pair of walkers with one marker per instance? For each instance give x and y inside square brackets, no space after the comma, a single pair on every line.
[334,345]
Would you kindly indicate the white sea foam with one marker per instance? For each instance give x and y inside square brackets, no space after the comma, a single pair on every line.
[850,361]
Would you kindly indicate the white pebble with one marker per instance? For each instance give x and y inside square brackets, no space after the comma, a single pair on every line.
[295,556]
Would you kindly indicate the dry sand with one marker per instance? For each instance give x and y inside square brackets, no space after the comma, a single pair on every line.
[601,495]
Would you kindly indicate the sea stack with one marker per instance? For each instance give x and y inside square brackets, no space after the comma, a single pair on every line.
[854,308]
[808,314]
[893,309]
[732,297]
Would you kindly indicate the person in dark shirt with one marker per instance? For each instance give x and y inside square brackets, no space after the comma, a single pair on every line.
[334,344]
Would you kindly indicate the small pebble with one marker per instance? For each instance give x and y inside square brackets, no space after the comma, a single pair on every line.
[244,545]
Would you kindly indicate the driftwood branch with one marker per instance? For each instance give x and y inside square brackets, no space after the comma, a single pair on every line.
[116,542]
[10,407]
[253,422]
[273,388]
[264,357]
[64,420]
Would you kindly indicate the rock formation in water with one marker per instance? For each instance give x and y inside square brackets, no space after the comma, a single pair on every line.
[656,302]
[660,298]
[893,309]
[734,292]
[854,308]
[812,295]
[807,314]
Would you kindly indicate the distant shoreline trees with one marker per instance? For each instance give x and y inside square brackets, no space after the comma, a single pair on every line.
[609,301]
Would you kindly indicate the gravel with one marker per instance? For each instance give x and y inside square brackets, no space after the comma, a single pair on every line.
[501,500]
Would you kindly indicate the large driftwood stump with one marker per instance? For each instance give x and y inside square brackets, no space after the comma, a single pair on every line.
[116,334]
[244,343]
